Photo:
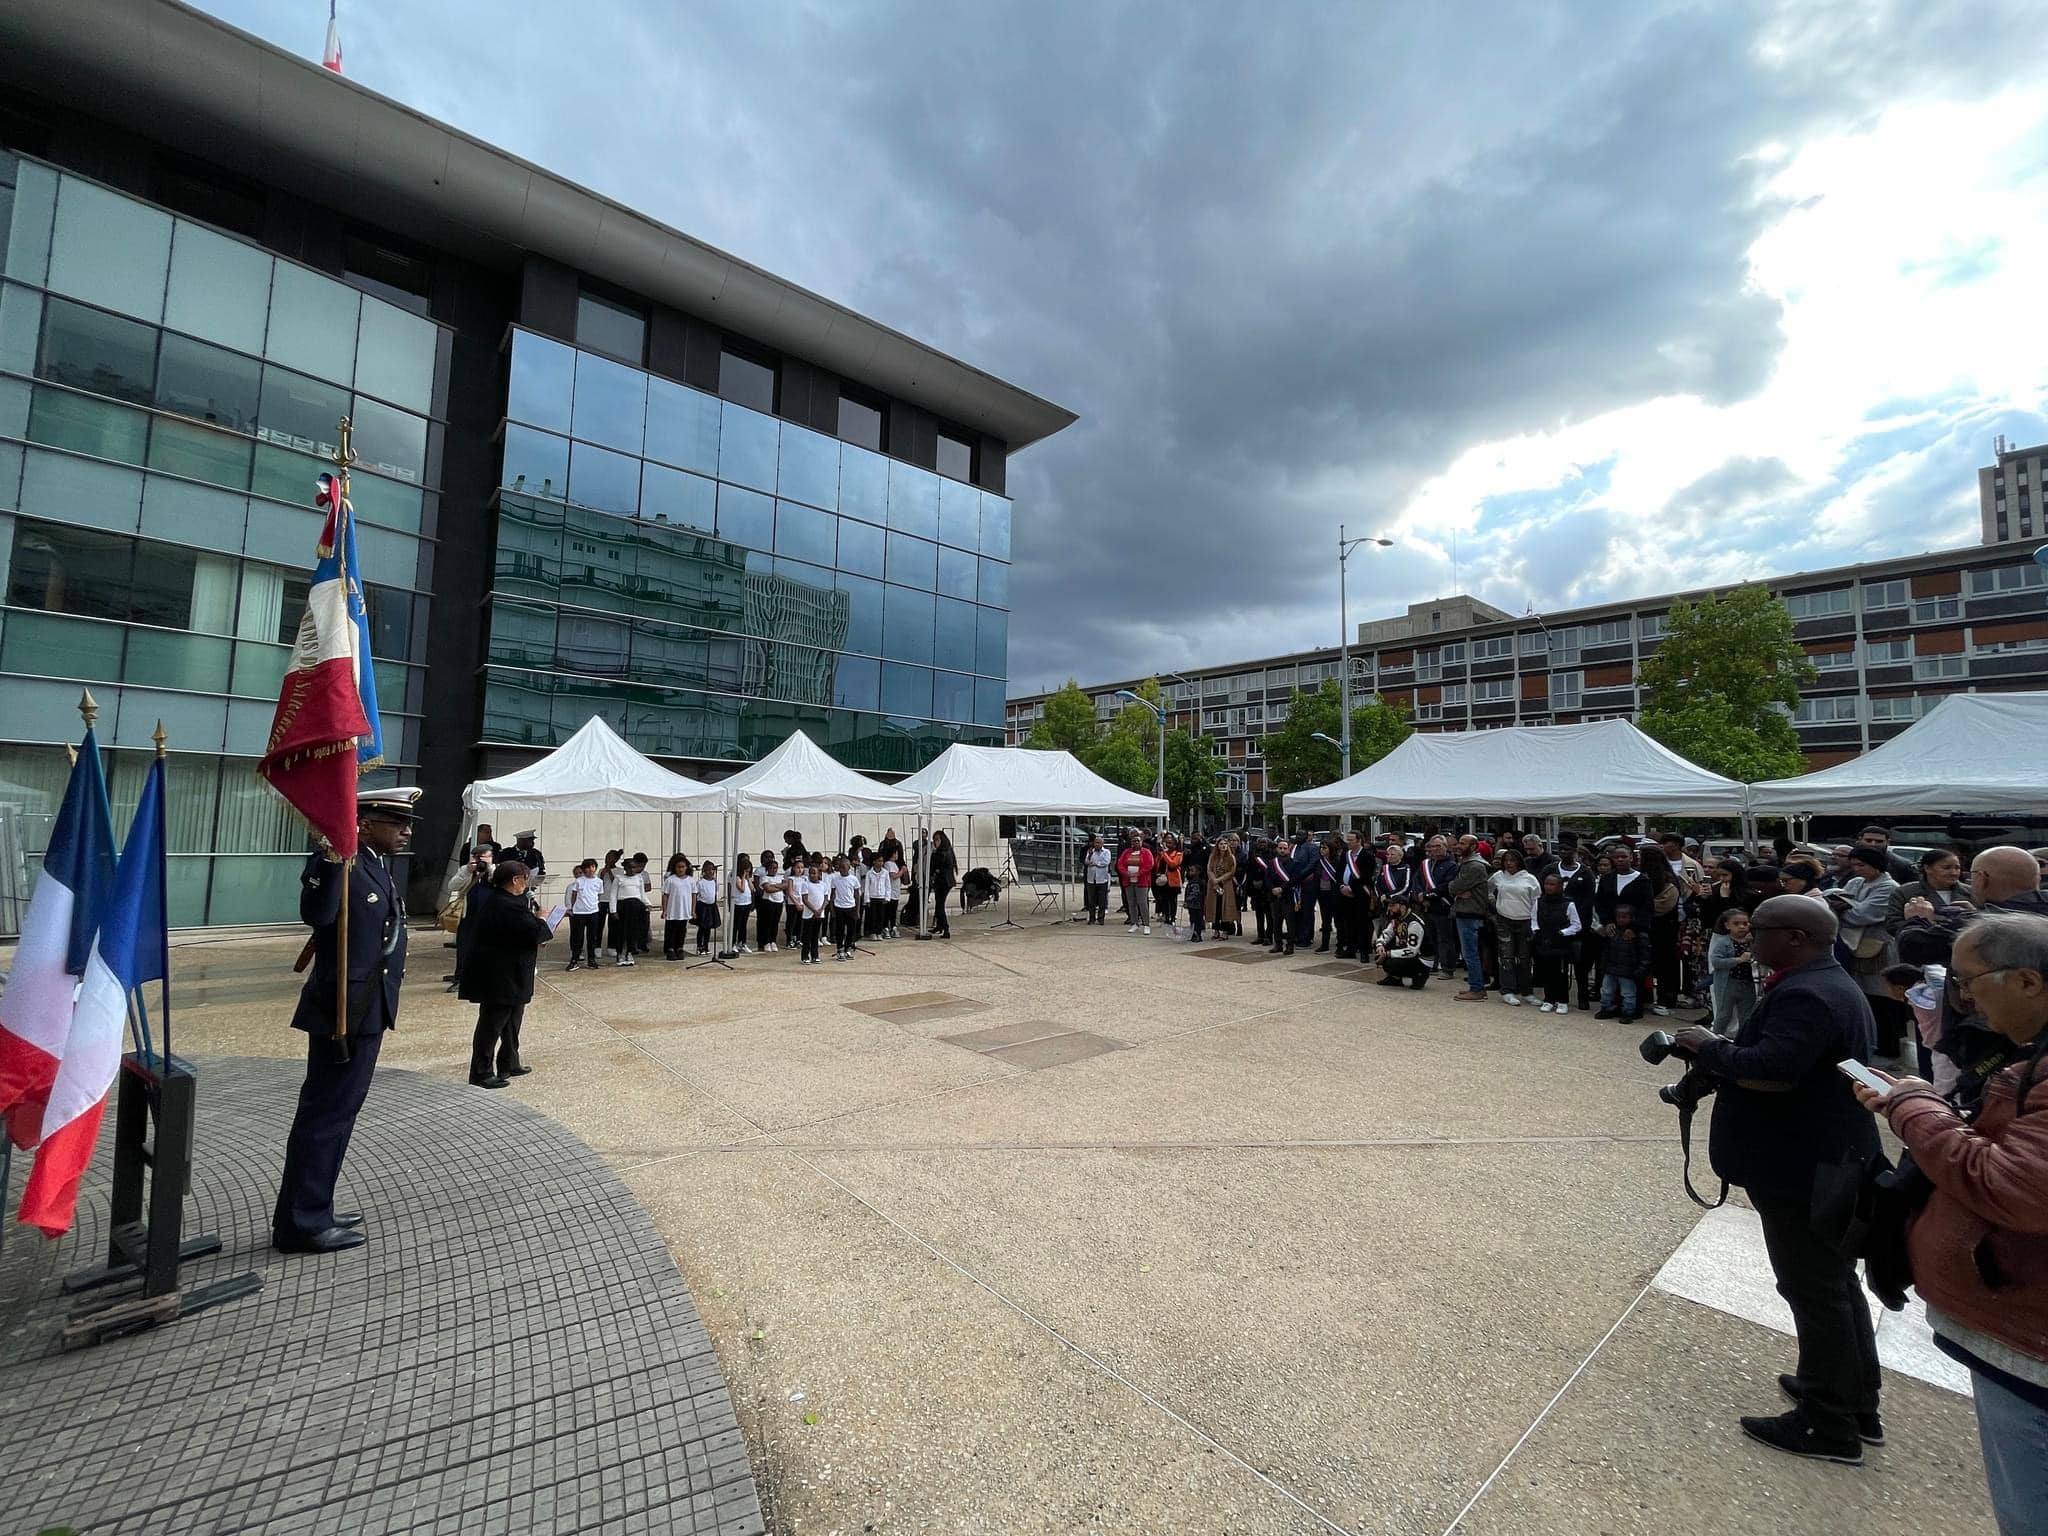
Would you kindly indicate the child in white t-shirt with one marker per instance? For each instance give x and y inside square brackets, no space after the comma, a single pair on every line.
[742,902]
[874,886]
[678,897]
[845,887]
[631,886]
[583,897]
[815,894]
[707,905]
[772,886]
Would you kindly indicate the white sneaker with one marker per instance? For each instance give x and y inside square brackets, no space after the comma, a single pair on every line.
[1145,930]
[1563,1008]
[625,960]
[1662,1013]
[1511,1000]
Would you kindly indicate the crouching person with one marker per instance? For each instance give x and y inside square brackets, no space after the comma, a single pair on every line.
[1397,947]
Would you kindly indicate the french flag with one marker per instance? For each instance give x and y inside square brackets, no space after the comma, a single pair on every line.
[71,892]
[327,730]
[332,57]
[132,947]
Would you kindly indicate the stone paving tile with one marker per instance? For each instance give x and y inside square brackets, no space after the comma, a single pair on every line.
[881,1005]
[1006,1034]
[1057,1050]
[931,1013]
[512,1351]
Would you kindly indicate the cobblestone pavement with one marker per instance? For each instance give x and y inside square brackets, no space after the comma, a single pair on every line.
[513,1351]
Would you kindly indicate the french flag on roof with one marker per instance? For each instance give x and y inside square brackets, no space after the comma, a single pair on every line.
[71,892]
[332,57]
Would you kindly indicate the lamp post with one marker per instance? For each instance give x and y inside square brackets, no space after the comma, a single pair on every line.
[1344,548]
[1159,783]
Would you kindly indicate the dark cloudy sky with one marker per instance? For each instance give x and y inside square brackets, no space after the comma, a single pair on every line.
[1576,300]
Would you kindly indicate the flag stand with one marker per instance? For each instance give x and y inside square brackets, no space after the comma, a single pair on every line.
[149,1245]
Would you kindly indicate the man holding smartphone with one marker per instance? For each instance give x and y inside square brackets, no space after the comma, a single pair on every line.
[1783,1110]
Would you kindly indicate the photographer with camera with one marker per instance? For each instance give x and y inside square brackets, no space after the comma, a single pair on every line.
[1785,1111]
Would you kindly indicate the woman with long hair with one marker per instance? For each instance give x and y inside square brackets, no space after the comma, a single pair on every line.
[945,874]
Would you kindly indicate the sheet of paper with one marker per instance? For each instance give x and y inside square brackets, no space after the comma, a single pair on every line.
[555,915]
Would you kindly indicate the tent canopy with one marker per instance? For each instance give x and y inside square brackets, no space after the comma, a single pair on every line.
[592,771]
[1604,768]
[1972,752]
[1018,781]
[801,778]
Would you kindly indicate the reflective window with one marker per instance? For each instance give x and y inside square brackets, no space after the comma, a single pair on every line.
[535,462]
[220,288]
[913,499]
[913,562]
[992,642]
[745,381]
[746,517]
[607,481]
[863,485]
[70,570]
[804,533]
[748,446]
[954,636]
[208,384]
[995,583]
[860,423]
[995,526]
[543,381]
[395,356]
[28,241]
[378,500]
[52,647]
[90,350]
[611,328]
[671,496]
[906,691]
[298,412]
[682,426]
[809,469]
[312,323]
[860,548]
[988,701]
[959,514]
[952,696]
[21,323]
[611,404]
[110,250]
[956,458]
[907,620]
[857,683]
[85,425]
[863,612]
[201,452]
[958,575]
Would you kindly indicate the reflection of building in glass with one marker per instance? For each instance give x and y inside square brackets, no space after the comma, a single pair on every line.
[575,497]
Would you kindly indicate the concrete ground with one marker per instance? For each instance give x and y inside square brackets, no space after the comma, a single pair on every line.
[1058,1228]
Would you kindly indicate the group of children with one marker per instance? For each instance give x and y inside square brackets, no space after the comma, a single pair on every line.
[855,894]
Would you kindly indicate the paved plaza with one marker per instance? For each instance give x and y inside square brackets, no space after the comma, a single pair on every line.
[1054,1229]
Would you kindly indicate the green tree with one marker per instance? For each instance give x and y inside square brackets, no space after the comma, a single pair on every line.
[1069,723]
[1122,761]
[1296,760]
[1723,683]
[1191,769]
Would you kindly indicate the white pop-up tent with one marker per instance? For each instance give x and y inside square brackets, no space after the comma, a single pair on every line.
[594,770]
[1604,768]
[1019,781]
[1972,752]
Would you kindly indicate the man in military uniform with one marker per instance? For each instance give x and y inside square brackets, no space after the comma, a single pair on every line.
[524,851]
[338,1072]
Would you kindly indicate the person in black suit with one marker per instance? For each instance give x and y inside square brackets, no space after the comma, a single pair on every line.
[338,1072]
[1783,1111]
[498,977]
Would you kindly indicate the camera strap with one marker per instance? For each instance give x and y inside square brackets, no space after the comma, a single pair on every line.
[1685,1145]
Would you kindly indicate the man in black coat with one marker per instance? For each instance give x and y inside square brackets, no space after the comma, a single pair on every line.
[498,976]
[1783,1111]
[338,1072]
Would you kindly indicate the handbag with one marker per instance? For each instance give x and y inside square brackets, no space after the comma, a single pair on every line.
[451,915]
[1860,1209]
[1869,943]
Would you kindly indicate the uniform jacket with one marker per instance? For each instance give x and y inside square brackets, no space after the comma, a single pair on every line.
[1979,1247]
[1809,1020]
[501,957]
[1442,872]
[376,944]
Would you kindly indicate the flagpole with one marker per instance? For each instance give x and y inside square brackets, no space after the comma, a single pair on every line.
[344,455]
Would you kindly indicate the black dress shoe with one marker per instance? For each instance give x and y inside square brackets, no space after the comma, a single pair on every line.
[1869,1426]
[488,1082]
[513,1071]
[1790,1433]
[1390,981]
[348,1218]
[1322,949]
[326,1240]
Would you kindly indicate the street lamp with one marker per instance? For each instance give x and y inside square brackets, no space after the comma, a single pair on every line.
[1159,784]
[1344,548]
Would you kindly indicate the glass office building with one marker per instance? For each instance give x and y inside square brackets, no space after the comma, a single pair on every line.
[603,469]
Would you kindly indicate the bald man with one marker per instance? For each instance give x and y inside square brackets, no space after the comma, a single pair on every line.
[1783,1112]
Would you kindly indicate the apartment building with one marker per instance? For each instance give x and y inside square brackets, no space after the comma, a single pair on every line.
[1889,638]
[2009,495]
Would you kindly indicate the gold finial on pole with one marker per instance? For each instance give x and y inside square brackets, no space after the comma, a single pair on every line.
[345,455]
[159,736]
[89,707]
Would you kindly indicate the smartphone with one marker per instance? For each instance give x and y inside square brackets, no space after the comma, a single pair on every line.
[1857,1072]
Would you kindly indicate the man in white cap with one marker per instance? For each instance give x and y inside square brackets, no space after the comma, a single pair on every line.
[338,1071]
[524,851]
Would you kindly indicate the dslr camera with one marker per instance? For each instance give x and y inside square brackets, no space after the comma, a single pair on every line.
[1684,1096]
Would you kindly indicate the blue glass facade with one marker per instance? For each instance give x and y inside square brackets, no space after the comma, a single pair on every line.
[167,394]
[709,577]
